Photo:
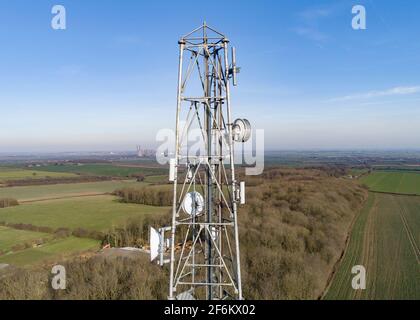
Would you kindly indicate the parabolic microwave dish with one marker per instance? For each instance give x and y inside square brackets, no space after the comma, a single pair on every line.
[193,204]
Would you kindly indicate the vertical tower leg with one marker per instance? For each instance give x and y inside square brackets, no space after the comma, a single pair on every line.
[174,205]
[232,168]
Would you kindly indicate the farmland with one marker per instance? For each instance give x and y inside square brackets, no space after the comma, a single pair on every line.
[18,174]
[387,247]
[385,235]
[292,231]
[385,239]
[91,213]
[402,182]
[157,179]
[108,170]
[98,213]
[52,251]
[10,237]
[33,193]
[79,207]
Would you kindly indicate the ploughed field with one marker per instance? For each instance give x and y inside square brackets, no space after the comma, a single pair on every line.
[385,239]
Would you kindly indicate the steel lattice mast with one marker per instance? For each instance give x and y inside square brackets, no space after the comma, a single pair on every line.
[204,246]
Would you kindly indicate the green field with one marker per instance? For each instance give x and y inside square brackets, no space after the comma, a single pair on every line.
[394,182]
[72,206]
[10,237]
[86,205]
[385,240]
[108,170]
[98,213]
[29,193]
[52,251]
[21,174]
[157,179]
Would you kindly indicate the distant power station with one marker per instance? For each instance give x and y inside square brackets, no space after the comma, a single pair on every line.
[145,153]
[203,240]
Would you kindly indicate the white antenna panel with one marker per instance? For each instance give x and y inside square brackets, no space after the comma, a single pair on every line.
[172,170]
[154,243]
[242,188]
[234,71]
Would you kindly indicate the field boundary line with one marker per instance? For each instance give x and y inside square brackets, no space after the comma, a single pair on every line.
[396,194]
[136,166]
[65,197]
[9,184]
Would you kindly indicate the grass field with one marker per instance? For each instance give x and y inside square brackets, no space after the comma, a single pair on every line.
[98,213]
[393,181]
[29,193]
[157,179]
[108,170]
[10,237]
[72,206]
[54,250]
[20,174]
[385,240]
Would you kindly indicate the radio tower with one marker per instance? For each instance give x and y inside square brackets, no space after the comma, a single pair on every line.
[204,240]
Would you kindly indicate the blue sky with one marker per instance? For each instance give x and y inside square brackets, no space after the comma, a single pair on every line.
[308,79]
